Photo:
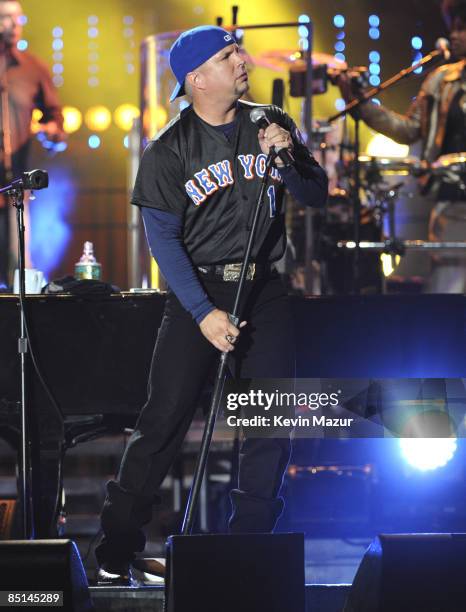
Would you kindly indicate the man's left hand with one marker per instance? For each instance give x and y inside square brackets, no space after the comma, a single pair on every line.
[275,136]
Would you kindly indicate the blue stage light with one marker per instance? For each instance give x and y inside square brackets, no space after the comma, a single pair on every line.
[57,32]
[340,35]
[374,33]
[417,57]
[94,141]
[374,69]
[374,57]
[374,80]
[339,21]
[374,21]
[49,213]
[22,45]
[57,44]
[302,31]
[60,147]
[428,453]
[340,56]
[339,46]
[416,42]
[340,104]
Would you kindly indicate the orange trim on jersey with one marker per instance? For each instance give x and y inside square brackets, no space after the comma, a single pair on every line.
[213,187]
[261,160]
[248,168]
[222,173]
[194,193]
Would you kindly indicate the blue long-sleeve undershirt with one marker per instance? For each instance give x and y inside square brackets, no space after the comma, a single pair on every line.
[164,235]
[308,191]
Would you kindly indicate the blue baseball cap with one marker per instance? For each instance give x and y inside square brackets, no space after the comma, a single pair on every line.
[193,48]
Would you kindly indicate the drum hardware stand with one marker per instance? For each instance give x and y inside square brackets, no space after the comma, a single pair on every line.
[201,463]
[353,106]
[387,199]
[36,179]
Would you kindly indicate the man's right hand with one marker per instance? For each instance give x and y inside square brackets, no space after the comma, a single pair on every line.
[216,326]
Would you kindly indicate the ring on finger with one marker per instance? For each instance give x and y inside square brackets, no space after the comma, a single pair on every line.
[230,339]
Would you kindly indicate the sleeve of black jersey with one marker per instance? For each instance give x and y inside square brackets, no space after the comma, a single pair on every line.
[160,180]
[304,160]
[311,178]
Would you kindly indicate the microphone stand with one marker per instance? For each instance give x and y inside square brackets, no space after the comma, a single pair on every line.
[352,106]
[15,193]
[16,196]
[199,471]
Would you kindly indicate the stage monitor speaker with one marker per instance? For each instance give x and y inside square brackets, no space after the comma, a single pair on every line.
[228,573]
[411,572]
[45,565]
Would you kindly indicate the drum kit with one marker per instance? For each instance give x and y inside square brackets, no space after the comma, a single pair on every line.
[381,180]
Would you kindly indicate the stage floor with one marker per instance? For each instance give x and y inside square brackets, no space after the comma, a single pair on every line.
[319,598]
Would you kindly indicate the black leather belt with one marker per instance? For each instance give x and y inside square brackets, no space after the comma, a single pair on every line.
[231,272]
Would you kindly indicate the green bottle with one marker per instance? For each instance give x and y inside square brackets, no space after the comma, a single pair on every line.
[87,266]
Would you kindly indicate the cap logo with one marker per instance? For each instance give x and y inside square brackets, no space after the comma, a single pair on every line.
[227,37]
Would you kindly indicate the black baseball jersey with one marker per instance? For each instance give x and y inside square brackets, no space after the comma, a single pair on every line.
[192,170]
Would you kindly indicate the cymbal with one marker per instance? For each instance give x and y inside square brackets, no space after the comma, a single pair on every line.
[291,59]
[389,165]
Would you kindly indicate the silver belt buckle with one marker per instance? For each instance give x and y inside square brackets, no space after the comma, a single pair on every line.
[231,272]
[251,271]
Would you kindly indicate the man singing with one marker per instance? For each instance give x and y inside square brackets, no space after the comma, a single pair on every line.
[197,186]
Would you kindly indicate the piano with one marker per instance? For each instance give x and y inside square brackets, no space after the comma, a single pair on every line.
[95,352]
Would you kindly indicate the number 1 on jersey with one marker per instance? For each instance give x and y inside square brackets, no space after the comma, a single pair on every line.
[271,194]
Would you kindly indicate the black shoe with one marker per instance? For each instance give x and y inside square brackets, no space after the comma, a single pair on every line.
[121,575]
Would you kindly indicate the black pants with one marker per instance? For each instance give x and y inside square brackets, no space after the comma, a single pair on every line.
[181,363]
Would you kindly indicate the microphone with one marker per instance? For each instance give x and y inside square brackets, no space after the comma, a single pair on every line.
[443,45]
[258,116]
